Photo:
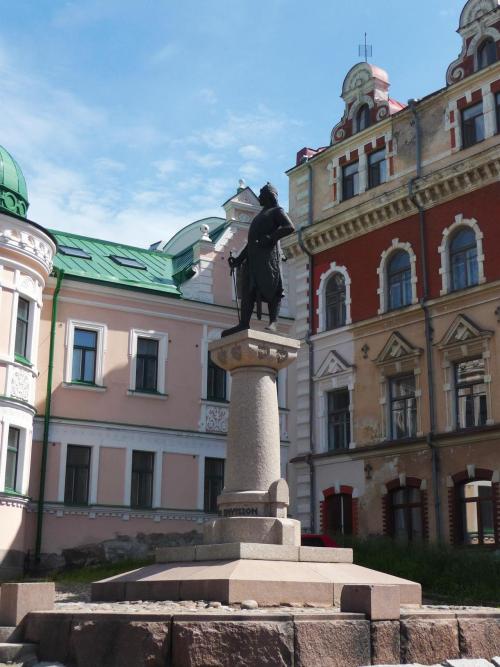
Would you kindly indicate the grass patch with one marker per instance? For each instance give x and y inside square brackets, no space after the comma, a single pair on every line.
[447,574]
[86,575]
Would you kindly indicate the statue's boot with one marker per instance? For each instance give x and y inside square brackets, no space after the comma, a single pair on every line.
[274,311]
[246,314]
[233,330]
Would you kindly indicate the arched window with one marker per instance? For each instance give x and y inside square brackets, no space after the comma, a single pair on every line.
[463,259]
[406,505]
[399,280]
[363,117]
[486,53]
[335,294]
[476,516]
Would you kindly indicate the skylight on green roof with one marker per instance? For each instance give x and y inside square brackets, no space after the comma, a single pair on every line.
[129,262]
[73,252]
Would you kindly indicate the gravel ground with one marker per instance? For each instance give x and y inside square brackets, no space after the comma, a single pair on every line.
[76,598]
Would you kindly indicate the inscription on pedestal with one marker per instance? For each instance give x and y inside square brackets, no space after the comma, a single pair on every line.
[239,511]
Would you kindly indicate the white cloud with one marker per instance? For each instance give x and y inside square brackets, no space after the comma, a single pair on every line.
[165,167]
[82,13]
[164,54]
[90,172]
[107,165]
[208,96]
[249,170]
[204,160]
[242,128]
[251,152]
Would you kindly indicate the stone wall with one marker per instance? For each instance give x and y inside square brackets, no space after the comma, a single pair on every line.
[329,639]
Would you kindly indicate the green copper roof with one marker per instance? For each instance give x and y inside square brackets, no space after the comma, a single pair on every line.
[100,261]
[13,191]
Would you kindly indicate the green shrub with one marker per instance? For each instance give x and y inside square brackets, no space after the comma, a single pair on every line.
[450,574]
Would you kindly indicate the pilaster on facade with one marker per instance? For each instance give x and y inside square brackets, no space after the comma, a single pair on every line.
[200,286]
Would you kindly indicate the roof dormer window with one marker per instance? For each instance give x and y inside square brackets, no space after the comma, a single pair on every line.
[363,117]
[486,53]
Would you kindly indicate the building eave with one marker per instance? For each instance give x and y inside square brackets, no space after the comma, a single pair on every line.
[470,173]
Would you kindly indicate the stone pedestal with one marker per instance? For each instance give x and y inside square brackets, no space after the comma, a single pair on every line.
[252,550]
[253,505]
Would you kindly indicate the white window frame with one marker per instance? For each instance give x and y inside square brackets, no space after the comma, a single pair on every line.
[321,292]
[444,251]
[27,288]
[23,460]
[383,290]
[102,331]
[162,338]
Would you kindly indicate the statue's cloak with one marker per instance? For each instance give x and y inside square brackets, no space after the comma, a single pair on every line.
[264,258]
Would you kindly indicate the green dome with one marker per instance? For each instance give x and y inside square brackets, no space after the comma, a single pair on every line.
[13,191]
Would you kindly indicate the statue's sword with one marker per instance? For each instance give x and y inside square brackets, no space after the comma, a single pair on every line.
[233,273]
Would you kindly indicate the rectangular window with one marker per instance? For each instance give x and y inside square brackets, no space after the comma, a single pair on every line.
[339,514]
[497,110]
[350,180]
[12,458]
[216,382]
[477,516]
[76,490]
[377,168]
[84,356]
[472,125]
[407,515]
[22,324]
[403,407]
[339,419]
[214,483]
[470,393]
[142,479]
[146,368]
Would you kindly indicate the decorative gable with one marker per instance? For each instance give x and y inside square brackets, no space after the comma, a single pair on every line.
[368,85]
[333,364]
[397,348]
[479,21]
[243,206]
[463,330]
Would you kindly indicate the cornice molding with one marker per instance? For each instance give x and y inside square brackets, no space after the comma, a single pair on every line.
[60,510]
[467,175]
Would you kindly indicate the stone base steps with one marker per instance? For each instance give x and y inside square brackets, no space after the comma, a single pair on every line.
[6,633]
[23,654]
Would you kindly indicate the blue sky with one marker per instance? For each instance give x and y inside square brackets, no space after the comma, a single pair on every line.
[133,118]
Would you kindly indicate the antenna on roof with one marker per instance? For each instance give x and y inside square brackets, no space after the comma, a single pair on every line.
[365,50]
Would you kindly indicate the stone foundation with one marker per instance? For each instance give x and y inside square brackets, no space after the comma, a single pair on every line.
[329,639]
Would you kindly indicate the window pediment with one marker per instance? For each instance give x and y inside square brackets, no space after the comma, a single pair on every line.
[397,348]
[333,365]
[463,330]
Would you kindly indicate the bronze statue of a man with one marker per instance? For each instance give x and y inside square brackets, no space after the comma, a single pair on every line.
[259,263]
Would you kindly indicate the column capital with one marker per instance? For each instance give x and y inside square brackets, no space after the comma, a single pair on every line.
[254,348]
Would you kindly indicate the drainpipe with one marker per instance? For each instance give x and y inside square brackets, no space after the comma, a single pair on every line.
[427,319]
[309,343]
[46,421]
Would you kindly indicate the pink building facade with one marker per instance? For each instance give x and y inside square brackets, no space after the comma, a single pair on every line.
[128,452]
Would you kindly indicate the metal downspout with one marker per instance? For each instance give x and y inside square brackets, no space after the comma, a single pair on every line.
[46,421]
[300,240]
[427,321]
